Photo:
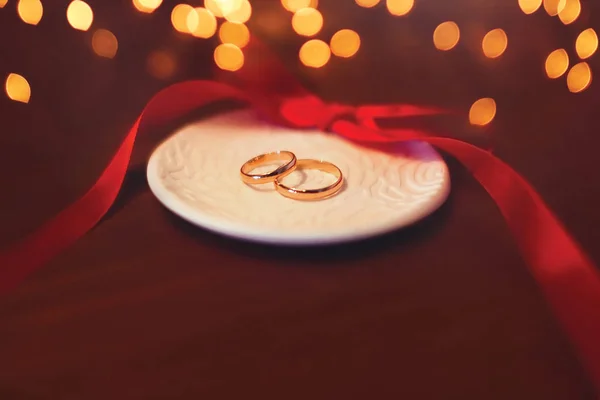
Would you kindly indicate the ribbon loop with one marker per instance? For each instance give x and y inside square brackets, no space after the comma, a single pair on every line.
[312,112]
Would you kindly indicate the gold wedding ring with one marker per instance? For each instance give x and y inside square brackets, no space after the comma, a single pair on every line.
[279,172]
[312,194]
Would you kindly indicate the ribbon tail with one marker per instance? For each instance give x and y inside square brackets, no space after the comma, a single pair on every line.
[566,276]
[569,280]
[68,226]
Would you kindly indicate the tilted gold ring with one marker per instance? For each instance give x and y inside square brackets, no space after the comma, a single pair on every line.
[279,172]
[312,194]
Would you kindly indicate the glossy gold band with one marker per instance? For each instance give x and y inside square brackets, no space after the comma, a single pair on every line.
[279,172]
[312,194]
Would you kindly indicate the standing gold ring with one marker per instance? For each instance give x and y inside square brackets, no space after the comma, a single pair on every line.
[312,194]
[281,171]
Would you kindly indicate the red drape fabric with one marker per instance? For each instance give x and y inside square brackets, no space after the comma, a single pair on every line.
[568,279]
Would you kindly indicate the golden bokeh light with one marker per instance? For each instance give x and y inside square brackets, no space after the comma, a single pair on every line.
[482,112]
[3,3]
[80,15]
[191,21]
[579,77]
[367,3]
[586,43]
[17,88]
[295,5]
[30,11]
[571,12]
[202,23]
[399,7]
[557,63]
[241,15]
[147,6]
[161,64]
[553,7]
[221,8]
[234,33]
[530,6]
[495,43]
[179,17]
[229,57]
[214,8]
[446,36]
[307,21]
[345,43]
[315,53]
[104,43]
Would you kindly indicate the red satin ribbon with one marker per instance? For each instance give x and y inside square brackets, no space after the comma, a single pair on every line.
[569,280]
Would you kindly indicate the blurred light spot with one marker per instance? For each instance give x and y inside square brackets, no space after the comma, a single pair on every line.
[234,33]
[229,57]
[495,43]
[446,36]
[530,6]
[17,88]
[161,64]
[307,21]
[482,112]
[214,8]
[80,15]
[315,53]
[553,7]
[104,43]
[202,23]
[586,43]
[579,77]
[557,63]
[241,15]
[399,7]
[30,11]
[367,3]
[3,3]
[220,8]
[147,6]
[571,12]
[179,17]
[345,43]
[295,5]
[191,21]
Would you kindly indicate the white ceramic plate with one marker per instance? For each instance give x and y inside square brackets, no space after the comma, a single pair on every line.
[195,174]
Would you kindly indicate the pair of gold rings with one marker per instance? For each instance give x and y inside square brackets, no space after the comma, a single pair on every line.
[290,165]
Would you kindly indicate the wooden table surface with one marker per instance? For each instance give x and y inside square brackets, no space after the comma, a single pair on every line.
[146,306]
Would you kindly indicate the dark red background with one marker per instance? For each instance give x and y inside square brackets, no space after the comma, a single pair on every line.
[146,306]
